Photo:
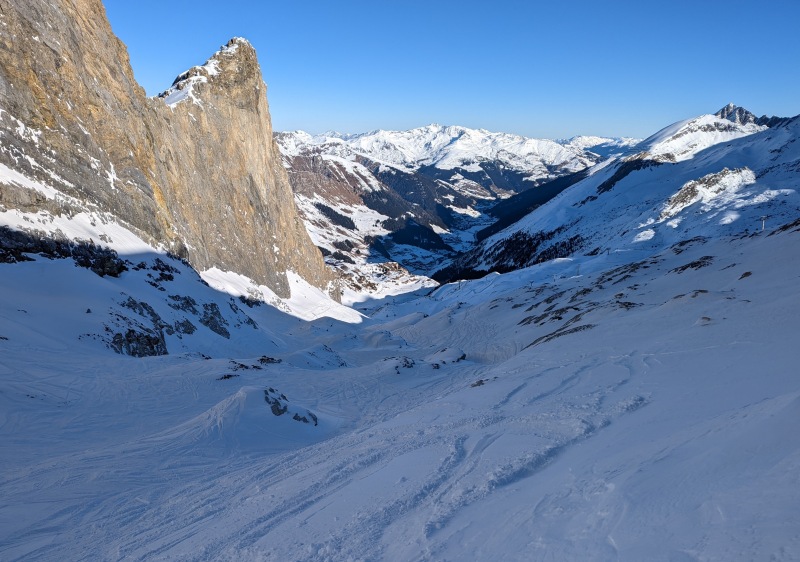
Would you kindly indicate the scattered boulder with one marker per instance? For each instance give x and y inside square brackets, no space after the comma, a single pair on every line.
[279,405]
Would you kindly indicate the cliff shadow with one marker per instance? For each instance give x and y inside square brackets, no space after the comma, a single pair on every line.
[149,304]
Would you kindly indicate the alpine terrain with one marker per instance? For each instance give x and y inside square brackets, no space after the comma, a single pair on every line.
[418,197]
[436,344]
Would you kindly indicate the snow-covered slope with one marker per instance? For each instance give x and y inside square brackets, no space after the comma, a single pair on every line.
[684,139]
[636,400]
[449,148]
[604,147]
[629,406]
[701,177]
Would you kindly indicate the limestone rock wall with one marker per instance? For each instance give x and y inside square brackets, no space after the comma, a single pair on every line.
[201,176]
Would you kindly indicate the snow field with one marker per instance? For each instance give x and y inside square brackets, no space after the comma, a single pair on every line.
[640,403]
[665,431]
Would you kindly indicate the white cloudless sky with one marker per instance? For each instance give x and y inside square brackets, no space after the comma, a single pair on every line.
[541,69]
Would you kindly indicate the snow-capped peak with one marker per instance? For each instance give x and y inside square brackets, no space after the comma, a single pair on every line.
[684,139]
[447,147]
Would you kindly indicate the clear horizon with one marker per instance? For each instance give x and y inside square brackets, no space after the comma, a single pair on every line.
[546,71]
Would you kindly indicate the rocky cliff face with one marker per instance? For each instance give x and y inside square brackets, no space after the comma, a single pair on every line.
[196,171]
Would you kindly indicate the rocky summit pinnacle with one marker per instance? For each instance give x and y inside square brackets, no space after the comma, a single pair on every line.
[741,116]
[736,114]
[195,171]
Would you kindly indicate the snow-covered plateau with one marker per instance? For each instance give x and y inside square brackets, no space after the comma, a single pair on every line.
[634,396]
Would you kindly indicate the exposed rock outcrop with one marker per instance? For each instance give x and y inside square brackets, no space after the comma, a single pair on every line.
[741,116]
[200,174]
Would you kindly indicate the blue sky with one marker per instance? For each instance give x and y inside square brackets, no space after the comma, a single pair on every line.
[545,69]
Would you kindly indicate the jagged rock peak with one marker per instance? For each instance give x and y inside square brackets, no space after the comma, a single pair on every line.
[736,114]
[741,116]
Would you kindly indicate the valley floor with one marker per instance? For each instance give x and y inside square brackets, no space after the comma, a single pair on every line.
[619,407]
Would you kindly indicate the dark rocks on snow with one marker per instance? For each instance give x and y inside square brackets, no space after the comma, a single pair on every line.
[559,333]
[241,315]
[186,304]
[341,256]
[15,244]
[144,310]
[624,170]
[336,217]
[304,419]
[279,405]
[213,320]
[740,115]
[250,302]
[277,402]
[184,327]
[139,344]
[264,360]
[696,264]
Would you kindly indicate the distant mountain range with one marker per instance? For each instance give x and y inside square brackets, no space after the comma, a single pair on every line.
[426,196]
[425,191]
